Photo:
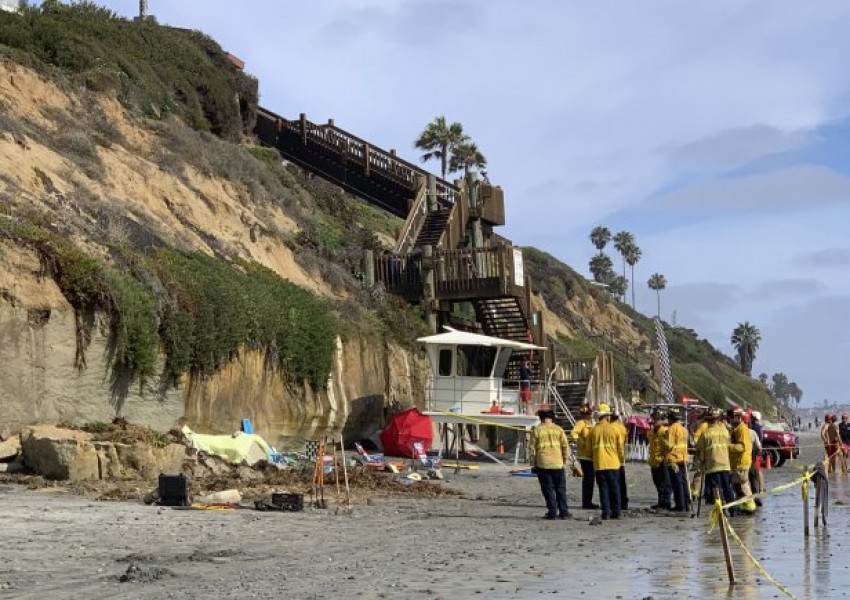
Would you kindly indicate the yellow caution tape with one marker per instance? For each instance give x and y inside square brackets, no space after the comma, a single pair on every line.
[756,563]
[478,421]
[781,488]
[714,518]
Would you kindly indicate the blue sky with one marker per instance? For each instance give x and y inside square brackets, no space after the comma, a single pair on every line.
[716,132]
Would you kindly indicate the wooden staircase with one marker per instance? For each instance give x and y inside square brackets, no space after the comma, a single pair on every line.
[370,173]
[572,394]
[433,242]
[433,228]
[502,317]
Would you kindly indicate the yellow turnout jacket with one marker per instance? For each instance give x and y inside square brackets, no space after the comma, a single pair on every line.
[549,447]
[624,435]
[607,447]
[656,447]
[741,448]
[676,444]
[713,448]
[581,435]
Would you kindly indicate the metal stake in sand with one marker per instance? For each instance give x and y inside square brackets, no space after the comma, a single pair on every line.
[701,487]
[345,474]
[817,501]
[724,537]
[336,476]
[806,502]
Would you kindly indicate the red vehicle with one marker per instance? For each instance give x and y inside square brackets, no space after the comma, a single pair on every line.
[781,444]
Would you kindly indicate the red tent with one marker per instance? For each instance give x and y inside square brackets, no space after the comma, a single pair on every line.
[403,430]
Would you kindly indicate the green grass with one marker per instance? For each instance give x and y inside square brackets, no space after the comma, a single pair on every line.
[153,70]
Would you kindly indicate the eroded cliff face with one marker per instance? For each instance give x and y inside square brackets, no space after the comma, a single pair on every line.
[40,384]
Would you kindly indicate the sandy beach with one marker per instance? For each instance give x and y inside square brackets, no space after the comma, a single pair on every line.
[490,543]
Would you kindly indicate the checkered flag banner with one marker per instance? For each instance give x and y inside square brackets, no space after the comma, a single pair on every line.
[312,450]
[664,359]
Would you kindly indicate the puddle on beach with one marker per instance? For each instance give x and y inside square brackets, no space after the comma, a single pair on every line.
[692,566]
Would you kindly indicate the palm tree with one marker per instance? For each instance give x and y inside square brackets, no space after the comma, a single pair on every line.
[633,254]
[600,236]
[439,140]
[466,156]
[617,284]
[600,266]
[657,282]
[746,339]
[622,241]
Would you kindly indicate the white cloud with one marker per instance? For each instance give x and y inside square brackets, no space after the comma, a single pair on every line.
[799,186]
[829,258]
[736,147]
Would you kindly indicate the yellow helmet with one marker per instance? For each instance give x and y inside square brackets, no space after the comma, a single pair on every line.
[603,409]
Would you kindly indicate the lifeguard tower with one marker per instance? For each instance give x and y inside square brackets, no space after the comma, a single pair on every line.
[466,384]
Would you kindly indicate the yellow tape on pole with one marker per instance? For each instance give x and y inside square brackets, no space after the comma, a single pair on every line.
[478,421]
[757,565]
[781,488]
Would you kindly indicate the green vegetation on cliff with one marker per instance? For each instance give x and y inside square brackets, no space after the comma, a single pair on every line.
[197,309]
[154,70]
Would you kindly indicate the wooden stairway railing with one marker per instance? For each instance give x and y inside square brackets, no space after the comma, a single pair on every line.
[415,219]
[353,149]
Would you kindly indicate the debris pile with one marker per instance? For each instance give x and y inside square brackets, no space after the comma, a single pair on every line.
[121,461]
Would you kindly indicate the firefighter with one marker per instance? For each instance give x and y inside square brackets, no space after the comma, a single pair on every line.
[740,458]
[584,450]
[618,425]
[676,448]
[656,462]
[696,480]
[548,452]
[712,451]
[756,477]
[607,447]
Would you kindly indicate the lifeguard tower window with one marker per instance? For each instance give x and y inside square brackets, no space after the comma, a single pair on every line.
[475,361]
[445,362]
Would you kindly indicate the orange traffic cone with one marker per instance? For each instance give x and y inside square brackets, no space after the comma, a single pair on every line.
[767,464]
[501,447]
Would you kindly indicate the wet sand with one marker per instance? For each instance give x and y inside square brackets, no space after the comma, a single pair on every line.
[489,544]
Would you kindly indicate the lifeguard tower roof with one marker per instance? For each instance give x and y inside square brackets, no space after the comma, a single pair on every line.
[453,337]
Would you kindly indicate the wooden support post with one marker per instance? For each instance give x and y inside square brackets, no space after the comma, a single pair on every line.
[724,537]
[331,122]
[303,119]
[366,167]
[368,267]
[432,193]
[429,291]
[806,506]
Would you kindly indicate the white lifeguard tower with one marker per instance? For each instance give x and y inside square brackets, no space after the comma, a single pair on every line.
[465,385]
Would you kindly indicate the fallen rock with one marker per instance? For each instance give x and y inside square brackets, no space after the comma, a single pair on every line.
[11,467]
[62,454]
[144,574]
[223,497]
[10,448]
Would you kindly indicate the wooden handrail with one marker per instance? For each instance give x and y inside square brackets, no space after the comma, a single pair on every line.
[415,218]
[362,152]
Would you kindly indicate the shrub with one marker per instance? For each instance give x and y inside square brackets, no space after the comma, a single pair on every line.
[199,310]
[155,70]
